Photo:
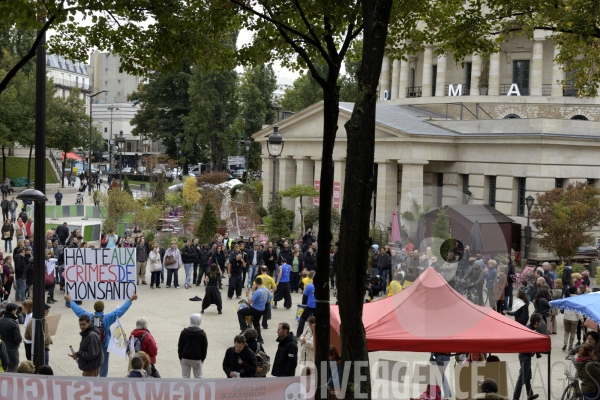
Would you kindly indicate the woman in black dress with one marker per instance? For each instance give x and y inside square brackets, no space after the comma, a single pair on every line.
[212,295]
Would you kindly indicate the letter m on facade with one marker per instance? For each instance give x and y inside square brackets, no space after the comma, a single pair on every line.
[452,91]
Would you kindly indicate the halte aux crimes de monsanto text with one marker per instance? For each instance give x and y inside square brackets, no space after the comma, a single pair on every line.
[100,274]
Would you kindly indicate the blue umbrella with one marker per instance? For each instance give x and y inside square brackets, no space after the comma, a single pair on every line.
[587,305]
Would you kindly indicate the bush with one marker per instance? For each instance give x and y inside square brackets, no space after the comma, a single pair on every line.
[208,225]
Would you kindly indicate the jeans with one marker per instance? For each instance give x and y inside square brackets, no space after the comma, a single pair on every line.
[187,366]
[172,275]
[374,271]
[8,245]
[104,367]
[20,291]
[188,273]
[443,360]
[252,270]
[13,216]
[384,278]
[524,377]
[155,279]
[162,274]
[195,276]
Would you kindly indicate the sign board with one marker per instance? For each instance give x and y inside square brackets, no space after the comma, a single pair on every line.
[53,321]
[100,274]
[235,160]
[318,188]
[467,378]
[336,195]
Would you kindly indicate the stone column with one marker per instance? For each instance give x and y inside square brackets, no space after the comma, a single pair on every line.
[440,81]
[494,86]
[267,179]
[387,190]
[537,67]
[412,183]
[339,176]
[304,176]
[427,70]
[395,78]
[287,178]
[475,74]
[317,176]
[404,77]
[385,77]
[557,75]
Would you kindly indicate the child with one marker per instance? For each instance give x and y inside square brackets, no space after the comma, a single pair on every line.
[305,281]
[303,276]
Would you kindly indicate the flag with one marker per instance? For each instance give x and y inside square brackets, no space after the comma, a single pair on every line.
[118,340]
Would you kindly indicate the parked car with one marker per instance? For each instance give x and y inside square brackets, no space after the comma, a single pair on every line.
[127,170]
[588,251]
[141,170]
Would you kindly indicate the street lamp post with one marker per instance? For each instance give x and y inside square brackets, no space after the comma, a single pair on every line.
[120,142]
[111,141]
[275,147]
[111,144]
[90,153]
[529,202]
[247,143]
[177,144]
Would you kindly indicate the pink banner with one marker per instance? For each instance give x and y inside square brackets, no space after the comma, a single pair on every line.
[316,199]
[336,195]
[18,386]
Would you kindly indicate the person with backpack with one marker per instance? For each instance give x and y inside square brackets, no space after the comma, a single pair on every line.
[263,361]
[192,348]
[103,322]
[239,360]
[143,340]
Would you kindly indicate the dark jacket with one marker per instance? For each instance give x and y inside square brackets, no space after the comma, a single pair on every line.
[10,334]
[259,257]
[141,253]
[20,266]
[310,262]
[247,368]
[137,374]
[542,306]
[188,254]
[308,240]
[90,355]
[267,255]
[589,374]
[285,253]
[8,228]
[219,258]
[5,204]
[4,359]
[286,358]
[384,261]
[521,315]
[62,231]
[23,216]
[566,275]
[193,344]
[203,256]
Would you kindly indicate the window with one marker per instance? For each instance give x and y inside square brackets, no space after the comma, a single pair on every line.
[105,69]
[492,195]
[433,79]
[521,197]
[128,146]
[118,81]
[512,116]
[521,75]
[559,183]
[580,117]
[440,187]
[77,81]
[105,83]
[118,93]
[468,71]
[413,77]
[591,181]
[105,130]
[465,187]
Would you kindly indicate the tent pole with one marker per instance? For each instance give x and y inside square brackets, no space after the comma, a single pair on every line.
[549,377]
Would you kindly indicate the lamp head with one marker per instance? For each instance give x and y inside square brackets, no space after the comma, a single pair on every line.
[32,195]
[529,202]
[120,140]
[275,143]
[177,142]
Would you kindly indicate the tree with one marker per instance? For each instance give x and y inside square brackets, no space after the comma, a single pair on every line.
[278,222]
[68,125]
[158,195]
[114,205]
[304,93]
[126,187]
[565,218]
[441,233]
[177,32]
[208,225]
[191,195]
[299,191]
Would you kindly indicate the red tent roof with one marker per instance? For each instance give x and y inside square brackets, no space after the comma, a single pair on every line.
[72,156]
[430,316]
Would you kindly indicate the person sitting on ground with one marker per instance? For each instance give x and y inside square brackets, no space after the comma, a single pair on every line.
[395,285]
[137,370]
[26,367]
[489,391]
[45,370]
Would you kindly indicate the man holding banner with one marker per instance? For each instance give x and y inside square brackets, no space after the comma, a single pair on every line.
[102,322]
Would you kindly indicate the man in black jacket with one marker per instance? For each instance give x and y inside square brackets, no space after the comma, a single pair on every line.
[5,204]
[286,358]
[239,360]
[284,253]
[11,336]
[188,256]
[204,255]
[196,247]
[21,260]
[89,357]
[270,258]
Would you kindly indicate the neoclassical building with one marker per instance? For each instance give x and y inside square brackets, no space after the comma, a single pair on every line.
[437,141]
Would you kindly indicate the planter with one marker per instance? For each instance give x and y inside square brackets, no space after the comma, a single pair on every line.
[483,91]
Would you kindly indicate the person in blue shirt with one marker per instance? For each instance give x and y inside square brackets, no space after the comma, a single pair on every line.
[257,302]
[106,319]
[283,291]
[311,305]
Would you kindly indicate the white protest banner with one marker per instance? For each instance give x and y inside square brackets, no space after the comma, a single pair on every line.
[100,274]
[40,387]
[118,340]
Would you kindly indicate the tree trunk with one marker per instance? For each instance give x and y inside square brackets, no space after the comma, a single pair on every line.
[331,97]
[62,171]
[301,218]
[354,241]
[4,174]
[29,166]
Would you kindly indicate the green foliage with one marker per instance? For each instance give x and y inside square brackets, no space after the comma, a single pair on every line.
[279,221]
[126,187]
[174,199]
[16,167]
[208,225]
[299,191]
[158,195]
[441,234]
[565,218]
[245,188]
[190,194]
[305,92]
[114,206]
[311,218]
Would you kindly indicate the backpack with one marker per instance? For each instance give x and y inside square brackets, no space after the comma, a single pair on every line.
[102,331]
[263,362]
[137,344]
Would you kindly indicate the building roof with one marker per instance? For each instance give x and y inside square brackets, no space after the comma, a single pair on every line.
[407,119]
[483,213]
[58,62]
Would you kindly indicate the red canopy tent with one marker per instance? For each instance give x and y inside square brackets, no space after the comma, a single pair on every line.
[430,316]
[72,156]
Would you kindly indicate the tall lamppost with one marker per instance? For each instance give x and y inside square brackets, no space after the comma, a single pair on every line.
[111,144]
[529,202]
[120,142]
[274,146]
[90,154]
[247,143]
[111,141]
[177,144]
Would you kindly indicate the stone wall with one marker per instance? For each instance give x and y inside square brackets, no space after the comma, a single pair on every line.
[500,110]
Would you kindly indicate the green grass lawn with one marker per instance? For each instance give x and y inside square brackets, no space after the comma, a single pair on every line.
[16,167]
